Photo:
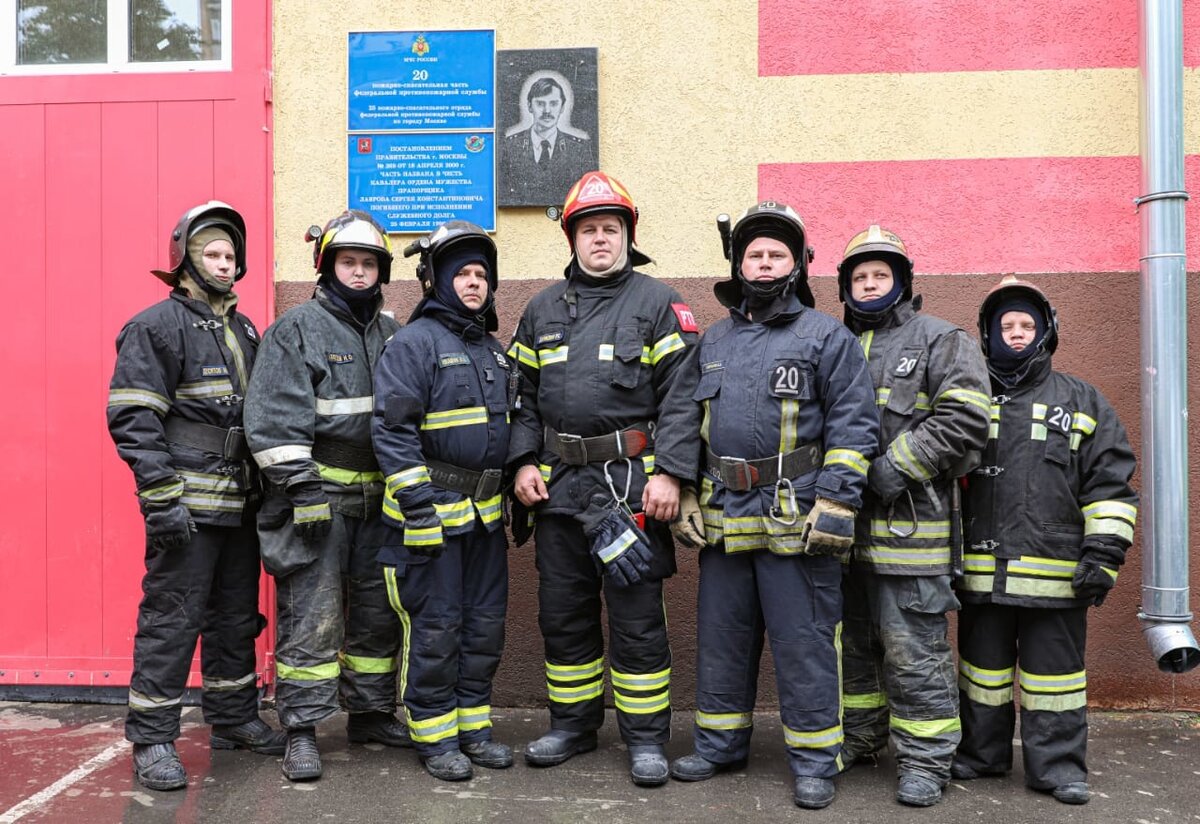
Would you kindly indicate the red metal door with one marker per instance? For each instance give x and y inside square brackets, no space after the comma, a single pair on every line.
[96,169]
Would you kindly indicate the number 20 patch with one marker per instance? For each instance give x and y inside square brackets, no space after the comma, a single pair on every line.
[788,379]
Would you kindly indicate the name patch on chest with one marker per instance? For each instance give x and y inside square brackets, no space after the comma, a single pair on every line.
[340,357]
[453,359]
[551,337]
[711,366]
[214,371]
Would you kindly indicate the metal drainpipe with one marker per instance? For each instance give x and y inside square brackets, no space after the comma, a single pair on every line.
[1165,614]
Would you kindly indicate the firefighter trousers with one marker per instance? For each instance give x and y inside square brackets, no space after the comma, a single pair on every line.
[207,590]
[797,602]
[898,670]
[1042,652]
[336,635]
[452,610]
[569,615]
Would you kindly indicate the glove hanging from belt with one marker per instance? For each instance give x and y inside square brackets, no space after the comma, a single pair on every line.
[620,548]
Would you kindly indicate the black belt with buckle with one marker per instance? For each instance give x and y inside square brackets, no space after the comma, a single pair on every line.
[740,475]
[577,451]
[480,484]
[228,443]
[342,455]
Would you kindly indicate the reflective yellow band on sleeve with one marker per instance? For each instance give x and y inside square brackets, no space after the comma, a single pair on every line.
[165,492]
[848,457]
[129,396]
[470,416]
[198,390]
[412,476]
[1111,509]
[902,455]
[967,396]
[545,472]
[665,346]
[524,355]
[345,406]
[280,454]
[549,356]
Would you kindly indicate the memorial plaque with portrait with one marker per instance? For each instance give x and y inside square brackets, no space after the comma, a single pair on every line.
[548,136]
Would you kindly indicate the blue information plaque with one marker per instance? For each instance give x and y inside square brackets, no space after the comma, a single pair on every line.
[422,81]
[416,182]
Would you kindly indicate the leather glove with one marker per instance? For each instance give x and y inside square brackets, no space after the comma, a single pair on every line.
[885,480]
[688,528]
[423,531]
[311,515]
[168,526]
[828,529]
[1093,580]
[619,547]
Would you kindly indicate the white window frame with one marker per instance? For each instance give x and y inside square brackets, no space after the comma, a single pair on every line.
[118,48]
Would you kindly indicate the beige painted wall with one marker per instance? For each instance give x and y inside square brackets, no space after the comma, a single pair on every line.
[684,117]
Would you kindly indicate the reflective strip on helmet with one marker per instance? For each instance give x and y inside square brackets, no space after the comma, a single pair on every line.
[573,695]
[345,406]
[129,396]
[140,702]
[474,718]
[848,457]
[967,396]
[280,454]
[864,700]
[311,514]
[665,346]
[432,730]
[229,684]
[905,459]
[814,740]
[617,547]
[931,728]
[412,476]
[469,416]
[524,355]
[314,672]
[196,390]
[646,681]
[166,492]
[549,356]
[724,720]
[367,665]
[642,704]
[575,672]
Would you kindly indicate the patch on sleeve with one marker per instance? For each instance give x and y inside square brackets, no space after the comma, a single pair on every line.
[687,321]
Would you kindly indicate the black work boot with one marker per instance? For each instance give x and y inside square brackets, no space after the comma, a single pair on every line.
[302,759]
[380,727]
[557,746]
[490,754]
[812,793]
[157,766]
[448,766]
[254,735]
[918,790]
[648,765]
[695,767]
[1075,792]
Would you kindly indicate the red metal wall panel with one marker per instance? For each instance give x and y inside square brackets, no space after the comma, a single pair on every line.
[97,169]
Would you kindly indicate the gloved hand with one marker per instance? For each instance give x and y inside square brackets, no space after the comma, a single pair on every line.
[688,528]
[1093,580]
[423,531]
[885,480]
[168,526]
[311,515]
[828,529]
[622,550]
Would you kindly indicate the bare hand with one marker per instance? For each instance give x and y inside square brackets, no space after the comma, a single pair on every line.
[529,487]
[660,498]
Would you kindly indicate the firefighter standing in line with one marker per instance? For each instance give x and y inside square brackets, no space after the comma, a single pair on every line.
[1050,516]
[308,423]
[441,435]
[175,414]
[931,389]
[785,408]
[598,354]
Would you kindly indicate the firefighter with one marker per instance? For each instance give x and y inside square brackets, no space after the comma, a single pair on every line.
[441,434]
[598,353]
[931,392]
[784,406]
[1049,517]
[308,423]
[175,415]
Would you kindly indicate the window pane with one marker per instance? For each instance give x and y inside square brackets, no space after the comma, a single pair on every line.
[62,31]
[174,30]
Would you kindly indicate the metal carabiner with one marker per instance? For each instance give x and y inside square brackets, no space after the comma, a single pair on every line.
[776,512]
[622,499]
[898,531]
